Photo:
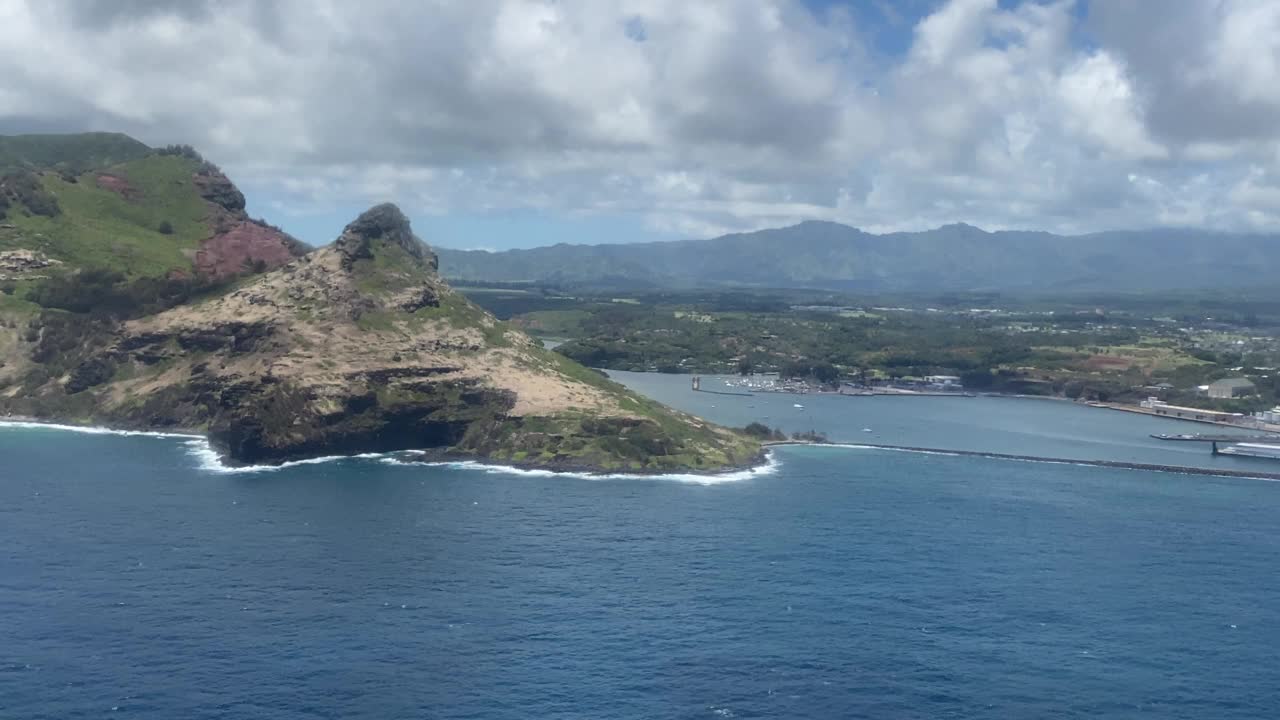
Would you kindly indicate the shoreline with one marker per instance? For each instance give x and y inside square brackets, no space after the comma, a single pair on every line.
[1136,410]
[1120,407]
[761,462]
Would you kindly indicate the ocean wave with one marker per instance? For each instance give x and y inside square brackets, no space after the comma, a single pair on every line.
[208,460]
[93,430]
[769,467]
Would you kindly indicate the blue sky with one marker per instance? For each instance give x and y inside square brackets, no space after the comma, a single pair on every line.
[515,123]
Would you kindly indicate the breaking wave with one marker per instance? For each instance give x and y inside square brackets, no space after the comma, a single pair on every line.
[93,430]
[208,460]
[769,467]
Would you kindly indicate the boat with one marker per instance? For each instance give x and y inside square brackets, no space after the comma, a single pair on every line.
[1254,450]
[866,429]
[798,405]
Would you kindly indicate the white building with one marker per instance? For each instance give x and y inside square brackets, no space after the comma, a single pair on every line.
[1160,407]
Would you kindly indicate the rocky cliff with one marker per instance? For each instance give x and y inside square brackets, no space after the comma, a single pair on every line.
[359,346]
[98,201]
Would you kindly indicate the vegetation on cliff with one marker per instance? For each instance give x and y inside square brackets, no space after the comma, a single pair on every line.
[122,309]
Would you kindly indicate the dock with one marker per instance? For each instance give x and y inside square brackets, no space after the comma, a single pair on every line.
[697,387]
[1222,438]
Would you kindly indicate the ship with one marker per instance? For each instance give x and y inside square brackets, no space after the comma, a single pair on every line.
[1266,451]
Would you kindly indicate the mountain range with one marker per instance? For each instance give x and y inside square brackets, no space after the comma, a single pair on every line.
[831,256]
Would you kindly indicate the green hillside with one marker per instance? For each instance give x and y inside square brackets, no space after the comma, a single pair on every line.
[98,227]
[71,153]
[131,229]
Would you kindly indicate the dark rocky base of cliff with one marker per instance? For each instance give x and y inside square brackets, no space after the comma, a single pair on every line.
[573,466]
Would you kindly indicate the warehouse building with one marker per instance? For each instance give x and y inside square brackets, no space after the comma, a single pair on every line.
[1232,388]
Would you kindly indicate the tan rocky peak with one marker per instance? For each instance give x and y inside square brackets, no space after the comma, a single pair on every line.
[385,223]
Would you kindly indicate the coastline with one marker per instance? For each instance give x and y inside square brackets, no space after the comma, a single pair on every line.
[218,461]
[1121,407]
[763,463]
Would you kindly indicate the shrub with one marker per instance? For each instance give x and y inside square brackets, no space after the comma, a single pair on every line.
[761,431]
[24,187]
[183,151]
[103,292]
[165,228]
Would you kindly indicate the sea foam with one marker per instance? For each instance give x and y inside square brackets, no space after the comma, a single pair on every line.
[208,460]
[769,467]
[93,430]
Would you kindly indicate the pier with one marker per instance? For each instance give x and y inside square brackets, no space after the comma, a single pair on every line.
[697,387]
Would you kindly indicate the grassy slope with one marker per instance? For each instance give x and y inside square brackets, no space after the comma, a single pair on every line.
[100,228]
[73,153]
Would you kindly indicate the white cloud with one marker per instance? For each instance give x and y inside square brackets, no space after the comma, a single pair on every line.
[1100,103]
[696,117]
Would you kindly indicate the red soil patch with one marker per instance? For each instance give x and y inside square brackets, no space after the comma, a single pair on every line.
[118,185]
[245,246]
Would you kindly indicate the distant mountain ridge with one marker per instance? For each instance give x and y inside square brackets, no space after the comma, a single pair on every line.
[957,257]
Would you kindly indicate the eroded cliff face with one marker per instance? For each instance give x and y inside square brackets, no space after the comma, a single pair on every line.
[360,347]
[239,244]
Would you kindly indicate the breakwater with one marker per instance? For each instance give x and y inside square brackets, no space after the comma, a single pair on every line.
[1179,469]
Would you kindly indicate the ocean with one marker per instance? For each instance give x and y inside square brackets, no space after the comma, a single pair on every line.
[138,579]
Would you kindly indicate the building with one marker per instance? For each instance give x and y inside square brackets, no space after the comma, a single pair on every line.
[1162,408]
[948,382]
[1231,388]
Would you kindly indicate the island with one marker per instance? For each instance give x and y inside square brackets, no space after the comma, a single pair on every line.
[137,293]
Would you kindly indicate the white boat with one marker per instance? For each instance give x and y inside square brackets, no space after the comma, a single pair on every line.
[1257,450]
[798,405]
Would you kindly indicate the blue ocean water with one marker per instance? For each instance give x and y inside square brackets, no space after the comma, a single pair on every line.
[137,583]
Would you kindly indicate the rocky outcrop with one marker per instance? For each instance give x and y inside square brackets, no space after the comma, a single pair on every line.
[361,347]
[387,225]
[239,244]
[24,264]
[245,246]
[218,189]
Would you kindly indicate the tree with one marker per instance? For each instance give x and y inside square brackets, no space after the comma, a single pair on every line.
[745,367]
[977,379]
[825,372]
[165,228]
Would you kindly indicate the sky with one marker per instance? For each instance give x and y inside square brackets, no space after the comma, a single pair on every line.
[517,123]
